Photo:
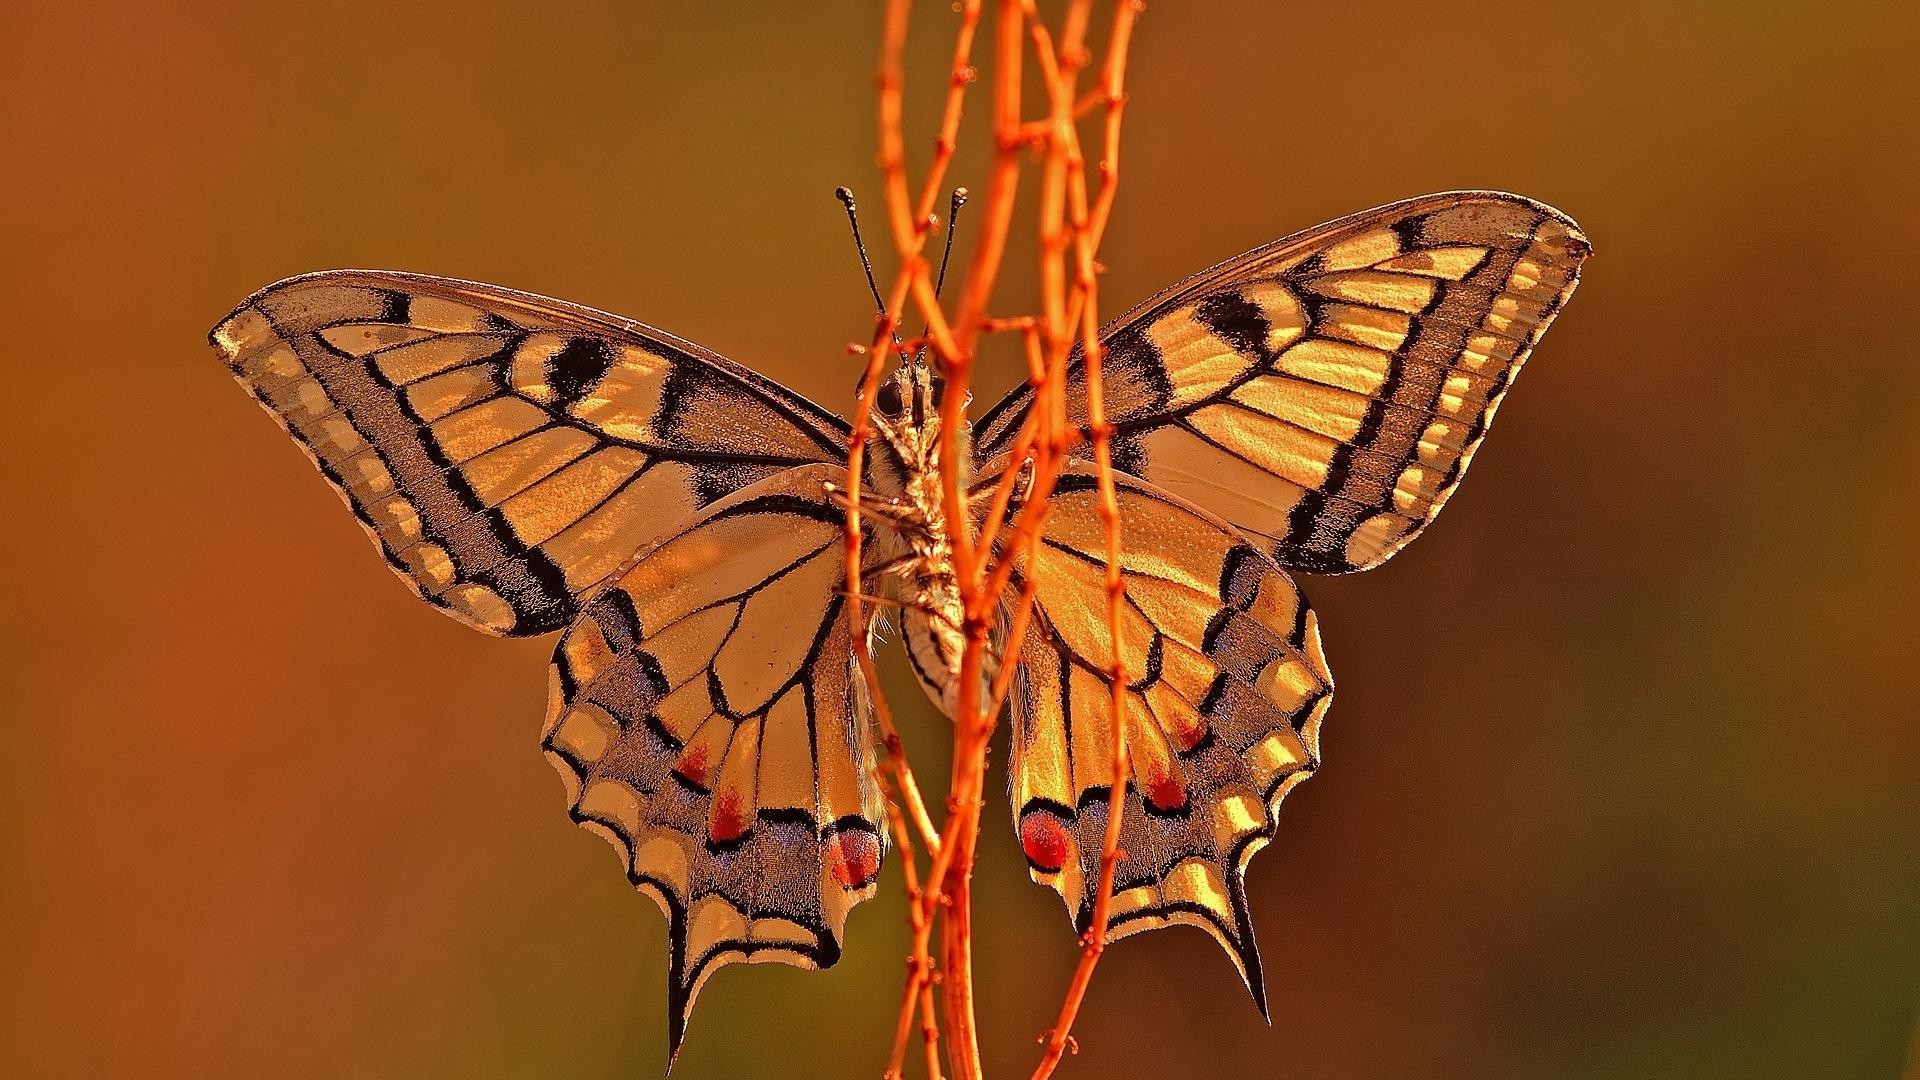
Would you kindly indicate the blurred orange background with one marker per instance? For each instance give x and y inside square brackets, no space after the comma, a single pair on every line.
[1622,780]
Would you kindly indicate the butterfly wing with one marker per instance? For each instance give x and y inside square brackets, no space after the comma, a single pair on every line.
[708,720]
[1222,715]
[1327,391]
[507,451]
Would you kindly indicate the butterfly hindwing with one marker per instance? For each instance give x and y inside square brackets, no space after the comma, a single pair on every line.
[1227,689]
[1327,391]
[708,720]
[508,451]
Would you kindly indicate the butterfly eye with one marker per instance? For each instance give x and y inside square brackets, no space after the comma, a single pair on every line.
[888,400]
[939,389]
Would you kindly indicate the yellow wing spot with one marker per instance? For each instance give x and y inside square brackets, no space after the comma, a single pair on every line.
[1525,276]
[309,401]
[430,564]
[1376,534]
[367,478]
[663,855]
[335,438]
[1518,309]
[527,373]
[1364,250]
[360,339]
[1276,753]
[1411,491]
[615,802]
[281,363]
[587,732]
[1441,440]
[712,921]
[243,328]
[1450,263]
[396,518]
[1234,816]
[1462,394]
[444,316]
[1398,292]
[482,605]
[1338,364]
[1288,683]
[1275,607]
[1371,327]
[411,363]
[1197,882]
[1496,349]
[586,651]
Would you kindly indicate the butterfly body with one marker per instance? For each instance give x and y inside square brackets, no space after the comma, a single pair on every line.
[530,465]
[915,545]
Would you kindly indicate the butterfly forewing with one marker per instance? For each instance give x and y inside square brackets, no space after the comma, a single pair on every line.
[708,720]
[508,451]
[1327,391]
[1227,686]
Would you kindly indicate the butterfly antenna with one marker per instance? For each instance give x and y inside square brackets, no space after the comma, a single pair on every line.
[953,213]
[958,200]
[845,196]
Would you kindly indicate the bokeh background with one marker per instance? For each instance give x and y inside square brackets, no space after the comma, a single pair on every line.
[1623,779]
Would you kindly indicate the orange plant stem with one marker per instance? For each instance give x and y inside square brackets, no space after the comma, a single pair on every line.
[1070,226]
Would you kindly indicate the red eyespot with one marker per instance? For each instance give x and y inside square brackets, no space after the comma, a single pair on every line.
[1187,731]
[853,857]
[727,823]
[693,765]
[1166,791]
[1044,839]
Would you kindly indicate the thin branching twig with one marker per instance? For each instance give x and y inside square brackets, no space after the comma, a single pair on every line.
[993,593]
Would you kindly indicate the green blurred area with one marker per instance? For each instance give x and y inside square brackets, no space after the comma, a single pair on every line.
[1622,779]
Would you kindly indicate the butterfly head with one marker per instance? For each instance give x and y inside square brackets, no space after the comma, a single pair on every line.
[913,394]
[907,412]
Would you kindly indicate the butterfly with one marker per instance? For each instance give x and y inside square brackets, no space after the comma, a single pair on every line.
[529,465]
